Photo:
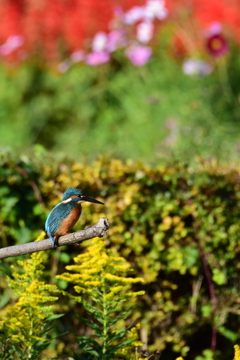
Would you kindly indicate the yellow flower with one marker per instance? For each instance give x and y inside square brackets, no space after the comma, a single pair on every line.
[24,322]
[102,282]
[237,352]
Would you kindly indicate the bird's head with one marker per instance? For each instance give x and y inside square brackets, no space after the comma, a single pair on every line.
[76,195]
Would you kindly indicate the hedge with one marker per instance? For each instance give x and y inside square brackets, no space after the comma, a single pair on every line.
[177,225]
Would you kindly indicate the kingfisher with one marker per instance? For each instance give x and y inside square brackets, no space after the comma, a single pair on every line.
[65,214]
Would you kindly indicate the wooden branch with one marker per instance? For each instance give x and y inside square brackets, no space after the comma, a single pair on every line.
[100,229]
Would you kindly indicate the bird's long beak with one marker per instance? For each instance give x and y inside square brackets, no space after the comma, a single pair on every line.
[92,200]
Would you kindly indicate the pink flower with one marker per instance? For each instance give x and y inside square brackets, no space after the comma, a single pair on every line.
[217,45]
[99,42]
[196,67]
[64,66]
[134,15]
[155,9]
[11,44]
[15,41]
[5,50]
[213,29]
[117,11]
[77,56]
[116,39]
[145,32]
[138,55]
[97,58]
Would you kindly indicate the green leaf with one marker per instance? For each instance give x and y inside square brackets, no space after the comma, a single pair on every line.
[229,334]
[54,317]
[219,277]
[206,310]
[122,316]
[111,349]
[82,340]
[65,257]
[116,335]
[91,324]
[207,355]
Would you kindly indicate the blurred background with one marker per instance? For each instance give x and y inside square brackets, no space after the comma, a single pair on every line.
[134,79]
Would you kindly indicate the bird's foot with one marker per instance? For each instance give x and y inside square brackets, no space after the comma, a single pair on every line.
[54,242]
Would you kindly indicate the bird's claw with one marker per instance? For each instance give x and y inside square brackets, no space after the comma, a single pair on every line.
[54,243]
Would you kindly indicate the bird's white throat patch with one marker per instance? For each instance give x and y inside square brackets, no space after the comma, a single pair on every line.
[67,201]
[70,199]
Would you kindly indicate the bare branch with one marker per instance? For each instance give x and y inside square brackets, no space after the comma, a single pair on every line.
[100,229]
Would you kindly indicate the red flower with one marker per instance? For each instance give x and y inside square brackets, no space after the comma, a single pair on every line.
[217,45]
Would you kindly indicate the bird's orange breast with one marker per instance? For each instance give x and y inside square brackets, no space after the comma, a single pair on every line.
[70,220]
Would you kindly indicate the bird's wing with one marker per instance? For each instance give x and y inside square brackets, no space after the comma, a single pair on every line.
[56,217]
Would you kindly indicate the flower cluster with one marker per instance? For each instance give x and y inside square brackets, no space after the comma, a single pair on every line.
[96,266]
[130,30]
[65,30]
[52,30]
[216,46]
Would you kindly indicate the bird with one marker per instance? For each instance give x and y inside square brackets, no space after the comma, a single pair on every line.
[65,214]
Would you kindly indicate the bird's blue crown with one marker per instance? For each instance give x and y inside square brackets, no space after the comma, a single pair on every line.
[70,192]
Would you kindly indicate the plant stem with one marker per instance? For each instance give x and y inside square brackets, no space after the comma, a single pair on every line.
[104,320]
[211,291]
[211,288]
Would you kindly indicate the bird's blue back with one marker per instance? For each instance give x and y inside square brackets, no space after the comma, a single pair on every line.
[57,215]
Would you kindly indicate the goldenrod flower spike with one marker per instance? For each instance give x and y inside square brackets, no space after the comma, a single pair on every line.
[103,285]
[24,322]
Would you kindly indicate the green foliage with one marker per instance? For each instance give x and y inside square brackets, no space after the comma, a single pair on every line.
[18,194]
[207,355]
[104,287]
[152,113]
[164,220]
[24,326]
